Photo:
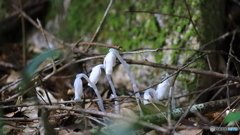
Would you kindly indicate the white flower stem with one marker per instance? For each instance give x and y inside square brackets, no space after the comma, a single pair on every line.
[100,102]
[117,108]
[130,76]
[127,70]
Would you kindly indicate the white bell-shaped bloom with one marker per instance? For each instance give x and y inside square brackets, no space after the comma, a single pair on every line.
[163,88]
[150,95]
[109,62]
[78,88]
[95,74]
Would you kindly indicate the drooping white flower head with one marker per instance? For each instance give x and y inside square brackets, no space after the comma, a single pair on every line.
[95,74]
[151,95]
[78,88]
[163,88]
[109,62]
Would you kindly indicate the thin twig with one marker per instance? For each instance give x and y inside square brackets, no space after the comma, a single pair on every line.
[49,100]
[171,100]
[65,102]
[17,95]
[202,118]
[23,35]
[191,20]
[52,116]
[102,45]
[180,69]
[145,50]
[116,116]
[185,69]
[71,45]
[130,61]
[228,64]
[100,24]
[152,12]
[70,63]
[209,63]
[35,24]
[192,103]
[47,44]
[51,74]
[11,84]
[234,102]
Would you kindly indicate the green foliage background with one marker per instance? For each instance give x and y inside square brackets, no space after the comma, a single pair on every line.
[128,29]
[133,30]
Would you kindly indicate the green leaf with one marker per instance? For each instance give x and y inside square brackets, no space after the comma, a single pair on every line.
[38,60]
[235,116]
[30,70]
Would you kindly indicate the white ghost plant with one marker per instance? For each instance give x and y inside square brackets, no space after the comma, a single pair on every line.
[79,89]
[126,67]
[150,95]
[109,62]
[94,77]
[163,88]
[95,74]
[117,108]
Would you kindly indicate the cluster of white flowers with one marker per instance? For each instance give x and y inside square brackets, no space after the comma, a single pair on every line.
[108,64]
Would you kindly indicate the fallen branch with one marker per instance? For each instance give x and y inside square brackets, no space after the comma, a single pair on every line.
[203,108]
[191,70]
